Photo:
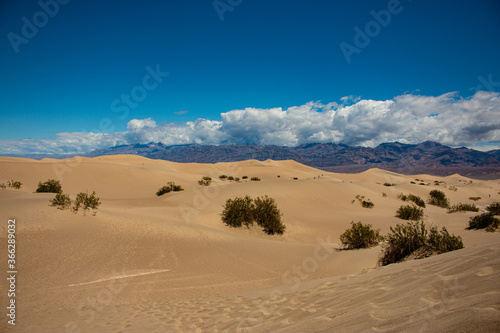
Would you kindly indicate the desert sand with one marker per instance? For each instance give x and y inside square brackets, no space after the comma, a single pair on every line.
[168,264]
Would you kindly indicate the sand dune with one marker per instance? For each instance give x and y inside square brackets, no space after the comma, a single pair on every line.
[161,264]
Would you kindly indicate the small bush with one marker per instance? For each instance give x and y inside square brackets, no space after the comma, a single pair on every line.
[485,220]
[475,198]
[384,194]
[494,208]
[463,207]
[367,204]
[61,200]
[169,188]
[50,186]
[237,179]
[14,184]
[223,177]
[230,178]
[238,212]
[414,239]
[244,177]
[402,196]
[410,212]
[86,201]
[438,198]
[255,179]
[205,181]
[2,186]
[412,182]
[268,216]
[389,184]
[360,236]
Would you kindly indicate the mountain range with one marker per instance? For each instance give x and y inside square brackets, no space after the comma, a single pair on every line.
[427,157]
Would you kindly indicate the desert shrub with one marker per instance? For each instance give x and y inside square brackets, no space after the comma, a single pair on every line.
[86,201]
[367,204]
[14,184]
[236,179]
[268,216]
[402,196]
[244,211]
[255,179]
[438,198]
[50,186]
[410,212]
[360,236]
[389,184]
[244,177]
[230,178]
[61,200]
[169,188]
[384,194]
[295,178]
[412,182]
[205,181]
[238,212]
[223,177]
[494,208]
[483,221]
[416,200]
[453,188]
[413,237]
[2,186]
[475,198]
[463,207]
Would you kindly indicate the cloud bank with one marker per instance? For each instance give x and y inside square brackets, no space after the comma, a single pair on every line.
[448,119]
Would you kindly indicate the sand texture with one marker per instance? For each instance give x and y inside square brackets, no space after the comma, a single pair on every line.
[168,264]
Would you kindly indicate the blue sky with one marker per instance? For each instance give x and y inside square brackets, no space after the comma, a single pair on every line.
[71,74]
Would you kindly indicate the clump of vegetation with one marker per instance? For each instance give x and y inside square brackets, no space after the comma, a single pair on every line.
[295,178]
[205,181]
[410,212]
[384,195]
[244,177]
[389,184]
[413,198]
[475,198]
[61,200]
[414,240]
[169,188]
[14,184]
[494,208]
[230,178]
[223,177]
[245,211]
[86,201]
[50,186]
[360,236]
[453,188]
[237,179]
[364,203]
[2,186]
[255,179]
[463,207]
[412,182]
[438,198]
[485,220]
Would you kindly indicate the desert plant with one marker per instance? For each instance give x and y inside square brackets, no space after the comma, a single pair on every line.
[494,208]
[2,186]
[475,198]
[360,236]
[230,178]
[412,238]
[389,184]
[14,184]
[255,179]
[384,195]
[410,212]
[438,198]
[268,216]
[463,207]
[482,221]
[416,200]
[50,186]
[237,179]
[223,177]
[244,177]
[402,196]
[205,181]
[169,188]
[238,212]
[86,201]
[367,204]
[61,200]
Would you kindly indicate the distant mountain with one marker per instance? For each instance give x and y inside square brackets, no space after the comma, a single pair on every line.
[427,157]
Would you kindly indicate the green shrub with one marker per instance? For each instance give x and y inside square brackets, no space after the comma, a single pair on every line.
[244,211]
[438,198]
[413,238]
[268,216]
[384,194]
[230,178]
[463,207]
[255,179]
[475,198]
[205,181]
[237,179]
[410,212]
[14,184]
[2,186]
[169,188]
[86,201]
[223,177]
[238,212]
[413,198]
[244,177]
[61,200]
[402,196]
[50,186]
[389,184]
[367,204]
[360,236]
[494,208]
[483,221]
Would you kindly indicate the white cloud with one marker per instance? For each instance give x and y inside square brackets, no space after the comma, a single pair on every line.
[448,119]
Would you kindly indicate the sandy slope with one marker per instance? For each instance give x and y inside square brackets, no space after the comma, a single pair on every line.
[147,263]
